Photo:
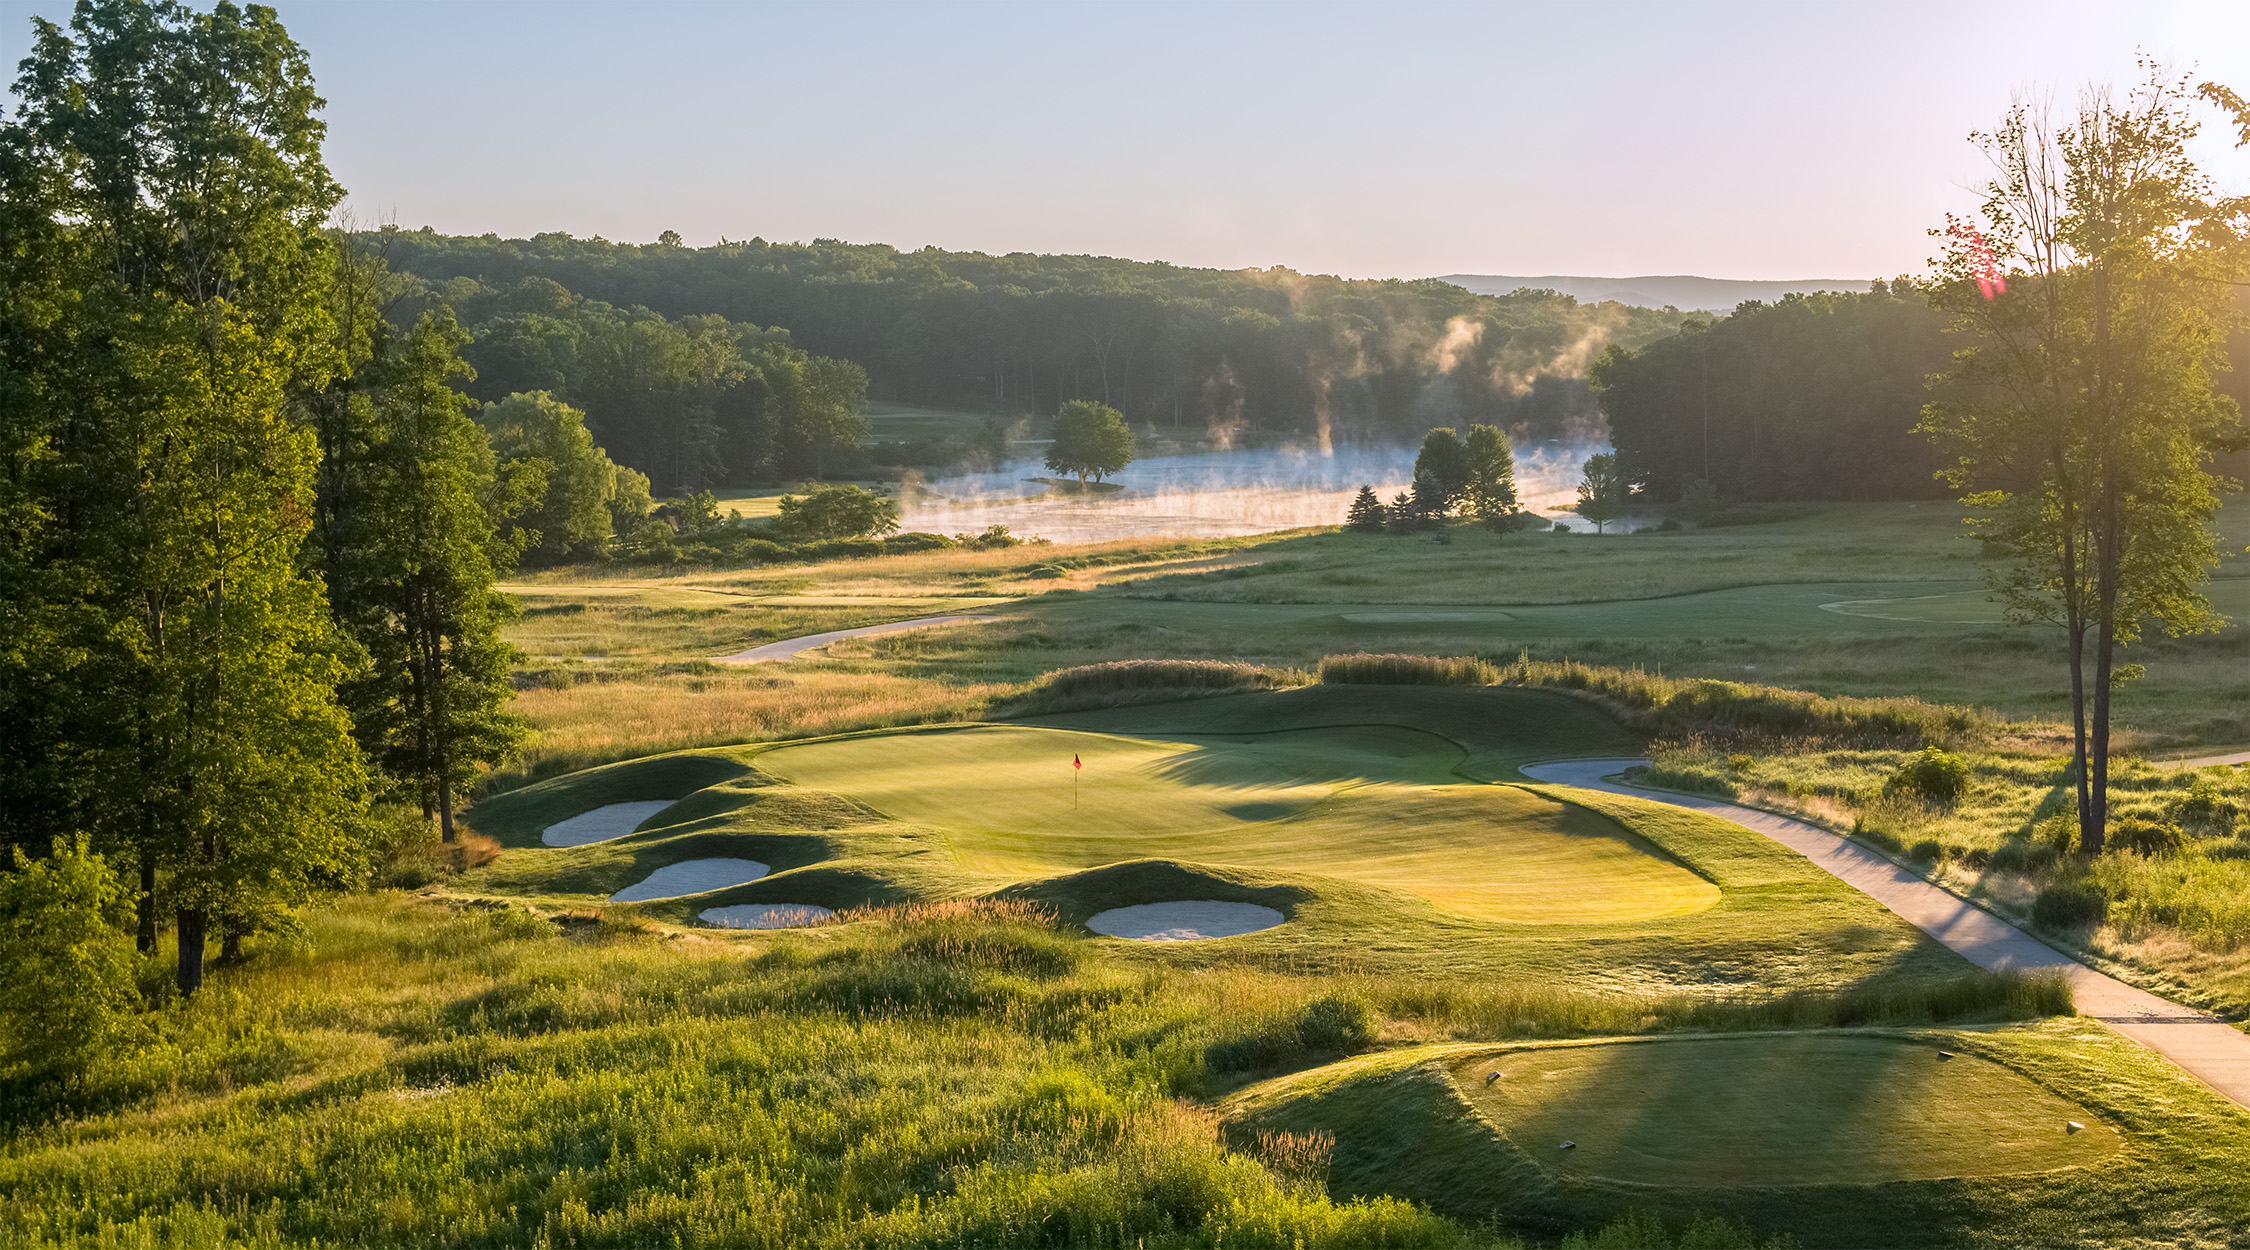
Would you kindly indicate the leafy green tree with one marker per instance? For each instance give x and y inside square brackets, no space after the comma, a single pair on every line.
[572,520]
[1405,517]
[630,503]
[839,512]
[182,215]
[2080,415]
[1090,438]
[1491,489]
[1605,493]
[435,710]
[68,958]
[1367,516]
[1442,472]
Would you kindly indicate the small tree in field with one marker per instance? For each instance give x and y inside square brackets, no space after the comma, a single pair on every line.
[1090,438]
[1442,472]
[1491,490]
[1603,496]
[1403,517]
[1368,514]
[839,512]
[70,961]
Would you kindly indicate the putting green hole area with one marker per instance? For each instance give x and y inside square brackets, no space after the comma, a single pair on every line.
[1368,803]
[1778,1110]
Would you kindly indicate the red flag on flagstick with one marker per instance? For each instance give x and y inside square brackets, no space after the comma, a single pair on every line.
[1074,762]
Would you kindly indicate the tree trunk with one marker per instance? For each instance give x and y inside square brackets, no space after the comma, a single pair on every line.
[2081,773]
[191,925]
[144,904]
[230,947]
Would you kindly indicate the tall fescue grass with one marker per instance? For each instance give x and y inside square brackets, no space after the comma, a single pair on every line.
[1365,669]
[1676,706]
[583,725]
[1121,682]
[927,1075]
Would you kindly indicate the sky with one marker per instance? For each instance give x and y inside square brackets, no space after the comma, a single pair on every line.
[1733,140]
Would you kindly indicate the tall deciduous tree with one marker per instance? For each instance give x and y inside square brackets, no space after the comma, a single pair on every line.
[542,435]
[164,195]
[1491,492]
[1090,439]
[1442,473]
[434,711]
[1605,492]
[2081,415]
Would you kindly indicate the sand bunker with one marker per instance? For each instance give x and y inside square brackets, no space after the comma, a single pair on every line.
[1190,920]
[765,915]
[691,876]
[602,824]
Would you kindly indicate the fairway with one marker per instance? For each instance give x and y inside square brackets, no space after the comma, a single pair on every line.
[1364,803]
[1801,1109]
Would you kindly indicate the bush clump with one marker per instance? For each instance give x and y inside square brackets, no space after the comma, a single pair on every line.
[2070,905]
[1934,775]
[2146,837]
[1364,669]
[1677,707]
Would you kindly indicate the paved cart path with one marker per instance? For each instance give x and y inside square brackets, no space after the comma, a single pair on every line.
[2211,1050]
[788,648]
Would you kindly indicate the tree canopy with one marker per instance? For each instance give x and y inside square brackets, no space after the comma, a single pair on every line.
[1090,439]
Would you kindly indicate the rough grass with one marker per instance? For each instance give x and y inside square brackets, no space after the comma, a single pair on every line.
[1363,669]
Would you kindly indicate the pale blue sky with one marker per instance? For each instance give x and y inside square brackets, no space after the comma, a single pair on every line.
[1745,140]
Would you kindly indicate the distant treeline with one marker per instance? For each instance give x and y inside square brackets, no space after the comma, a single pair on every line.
[1814,397]
[692,402]
[1244,351]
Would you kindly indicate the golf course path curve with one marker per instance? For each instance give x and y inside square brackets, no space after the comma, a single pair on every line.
[2214,1052]
[2206,761]
[788,648]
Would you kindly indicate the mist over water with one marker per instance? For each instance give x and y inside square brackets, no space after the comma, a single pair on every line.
[1215,494]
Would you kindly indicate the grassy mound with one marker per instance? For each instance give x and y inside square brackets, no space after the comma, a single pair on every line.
[1075,896]
[1364,669]
[1789,1109]
[517,817]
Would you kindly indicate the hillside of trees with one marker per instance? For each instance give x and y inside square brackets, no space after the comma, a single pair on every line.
[1813,397]
[1247,351]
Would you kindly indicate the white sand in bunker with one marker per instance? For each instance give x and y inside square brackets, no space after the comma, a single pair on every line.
[1189,920]
[602,824]
[691,876]
[766,915]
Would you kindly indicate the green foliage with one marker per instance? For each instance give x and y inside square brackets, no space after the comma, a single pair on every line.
[1491,489]
[2070,905]
[67,960]
[1606,491]
[2140,836]
[1156,341]
[1442,472]
[1406,670]
[832,512]
[1090,438]
[1813,397]
[1367,515]
[160,484]
[1642,1231]
[1934,775]
[572,520]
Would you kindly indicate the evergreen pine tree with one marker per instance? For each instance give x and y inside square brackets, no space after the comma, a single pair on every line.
[1368,515]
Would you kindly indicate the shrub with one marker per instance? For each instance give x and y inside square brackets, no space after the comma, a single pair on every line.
[1363,669]
[994,538]
[907,544]
[2206,811]
[1935,775]
[2021,855]
[2059,832]
[2146,837]
[1927,851]
[70,962]
[2068,905]
[1126,681]
[838,512]
[1740,763]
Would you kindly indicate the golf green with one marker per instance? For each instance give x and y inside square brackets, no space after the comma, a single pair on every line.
[1355,802]
[1793,1109]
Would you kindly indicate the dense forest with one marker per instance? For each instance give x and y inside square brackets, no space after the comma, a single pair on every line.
[1240,352]
[1814,397]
